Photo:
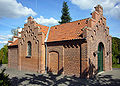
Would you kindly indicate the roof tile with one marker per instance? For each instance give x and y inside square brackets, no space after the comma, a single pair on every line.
[67,31]
[14,43]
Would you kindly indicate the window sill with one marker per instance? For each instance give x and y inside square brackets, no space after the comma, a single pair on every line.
[28,56]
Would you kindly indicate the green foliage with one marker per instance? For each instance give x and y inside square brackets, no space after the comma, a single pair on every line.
[4,55]
[14,33]
[115,49]
[116,65]
[4,80]
[65,18]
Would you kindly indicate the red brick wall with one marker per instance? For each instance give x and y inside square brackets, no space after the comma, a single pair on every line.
[54,62]
[69,56]
[13,57]
[98,32]
[50,61]
[36,62]
[72,60]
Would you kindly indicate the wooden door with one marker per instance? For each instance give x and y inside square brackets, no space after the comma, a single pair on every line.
[54,62]
[100,58]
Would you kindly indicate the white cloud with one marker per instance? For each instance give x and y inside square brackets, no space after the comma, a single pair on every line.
[13,9]
[50,21]
[19,29]
[111,7]
[5,37]
[3,42]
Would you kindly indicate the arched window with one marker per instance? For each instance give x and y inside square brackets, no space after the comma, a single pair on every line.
[29,48]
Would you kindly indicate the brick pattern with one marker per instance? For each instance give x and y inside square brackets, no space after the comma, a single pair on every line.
[86,61]
[72,48]
[69,56]
[96,33]
[72,60]
[54,62]
[13,58]
[52,48]
[36,34]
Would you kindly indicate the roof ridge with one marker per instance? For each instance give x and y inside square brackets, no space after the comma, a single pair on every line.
[71,22]
[42,25]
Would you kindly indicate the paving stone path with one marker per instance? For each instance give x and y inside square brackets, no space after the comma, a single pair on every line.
[22,78]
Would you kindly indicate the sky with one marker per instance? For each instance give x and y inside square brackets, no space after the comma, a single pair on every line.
[14,13]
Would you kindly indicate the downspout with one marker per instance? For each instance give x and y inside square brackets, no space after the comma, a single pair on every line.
[45,57]
[38,59]
[46,50]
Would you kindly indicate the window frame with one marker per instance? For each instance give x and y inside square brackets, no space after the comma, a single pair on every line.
[29,49]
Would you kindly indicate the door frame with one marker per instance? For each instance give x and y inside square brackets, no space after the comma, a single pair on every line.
[100,57]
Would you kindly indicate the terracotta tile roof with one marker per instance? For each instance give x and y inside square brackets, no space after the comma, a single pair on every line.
[67,31]
[15,37]
[43,29]
[19,32]
[14,43]
[10,41]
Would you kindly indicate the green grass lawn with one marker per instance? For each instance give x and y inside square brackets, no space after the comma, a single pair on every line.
[116,65]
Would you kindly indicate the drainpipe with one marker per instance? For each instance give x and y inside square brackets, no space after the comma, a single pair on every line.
[38,59]
[45,57]
[46,50]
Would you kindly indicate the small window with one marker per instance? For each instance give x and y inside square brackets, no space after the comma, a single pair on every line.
[24,35]
[97,26]
[86,21]
[29,27]
[26,31]
[29,49]
[55,27]
[23,39]
[99,21]
[31,30]
[92,37]
[95,32]
[32,34]
[78,23]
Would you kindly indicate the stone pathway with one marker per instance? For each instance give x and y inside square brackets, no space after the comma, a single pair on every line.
[22,78]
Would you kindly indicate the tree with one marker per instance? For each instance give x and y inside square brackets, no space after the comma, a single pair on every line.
[4,54]
[115,49]
[65,18]
[15,31]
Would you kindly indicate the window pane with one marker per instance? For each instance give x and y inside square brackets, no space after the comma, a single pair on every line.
[29,49]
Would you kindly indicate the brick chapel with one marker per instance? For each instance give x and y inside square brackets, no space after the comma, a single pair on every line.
[80,48]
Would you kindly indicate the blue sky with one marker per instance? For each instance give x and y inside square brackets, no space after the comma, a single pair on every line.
[13,13]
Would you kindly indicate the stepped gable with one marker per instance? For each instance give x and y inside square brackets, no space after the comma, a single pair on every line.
[43,29]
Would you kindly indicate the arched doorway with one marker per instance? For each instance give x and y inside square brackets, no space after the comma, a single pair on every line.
[100,56]
[54,62]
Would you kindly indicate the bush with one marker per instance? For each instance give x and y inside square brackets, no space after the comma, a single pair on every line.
[4,54]
[4,79]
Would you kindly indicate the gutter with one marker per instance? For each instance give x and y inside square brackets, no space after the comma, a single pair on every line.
[67,40]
